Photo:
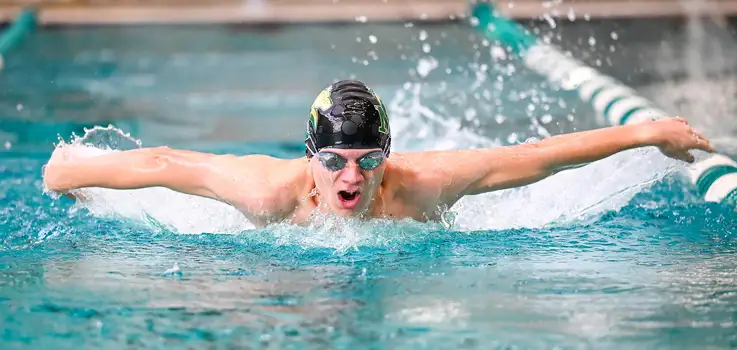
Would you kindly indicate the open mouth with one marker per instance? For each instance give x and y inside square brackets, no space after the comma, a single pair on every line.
[349,199]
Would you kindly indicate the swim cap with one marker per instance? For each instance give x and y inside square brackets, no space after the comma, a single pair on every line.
[347,114]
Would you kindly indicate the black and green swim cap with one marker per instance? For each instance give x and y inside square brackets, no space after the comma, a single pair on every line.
[347,114]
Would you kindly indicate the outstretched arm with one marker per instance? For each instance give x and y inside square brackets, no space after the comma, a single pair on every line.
[247,183]
[182,171]
[471,172]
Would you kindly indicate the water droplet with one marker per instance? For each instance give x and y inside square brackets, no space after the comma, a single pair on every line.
[19,107]
[592,41]
[498,53]
[546,119]
[372,39]
[358,39]
[426,48]
[425,66]
[423,35]
[361,19]
[7,144]
[550,20]
[470,114]
[615,36]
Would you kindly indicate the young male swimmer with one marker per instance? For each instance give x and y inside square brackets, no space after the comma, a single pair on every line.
[348,169]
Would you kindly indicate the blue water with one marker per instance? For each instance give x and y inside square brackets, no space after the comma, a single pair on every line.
[620,254]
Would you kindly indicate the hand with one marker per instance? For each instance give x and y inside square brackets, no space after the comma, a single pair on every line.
[675,138]
[51,175]
[60,154]
[49,171]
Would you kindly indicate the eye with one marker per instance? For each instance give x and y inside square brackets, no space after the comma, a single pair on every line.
[371,161]
[332,161]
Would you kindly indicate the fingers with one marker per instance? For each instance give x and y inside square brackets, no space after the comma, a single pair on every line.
[689,158]
[698,134]
[681,119]
[704,145]
[701,142]
[684,156]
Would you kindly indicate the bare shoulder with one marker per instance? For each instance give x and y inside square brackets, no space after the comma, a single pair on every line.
[436,176]
[418,175]
[426,164]
[262,185]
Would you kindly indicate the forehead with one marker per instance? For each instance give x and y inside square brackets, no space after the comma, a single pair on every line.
[351,153]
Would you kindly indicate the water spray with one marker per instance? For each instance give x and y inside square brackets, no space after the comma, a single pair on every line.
[617,104]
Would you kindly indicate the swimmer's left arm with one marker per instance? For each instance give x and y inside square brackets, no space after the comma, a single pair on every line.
[472,172]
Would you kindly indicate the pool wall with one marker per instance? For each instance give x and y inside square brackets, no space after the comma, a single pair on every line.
[120,12]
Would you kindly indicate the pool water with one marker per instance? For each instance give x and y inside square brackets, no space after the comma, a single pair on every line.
[622,253]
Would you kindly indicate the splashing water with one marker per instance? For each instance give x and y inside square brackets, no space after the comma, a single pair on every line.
[705,94]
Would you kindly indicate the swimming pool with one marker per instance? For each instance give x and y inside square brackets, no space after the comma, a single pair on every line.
[619,254]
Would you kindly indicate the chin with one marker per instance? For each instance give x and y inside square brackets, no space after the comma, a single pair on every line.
[340,210]
[345,212]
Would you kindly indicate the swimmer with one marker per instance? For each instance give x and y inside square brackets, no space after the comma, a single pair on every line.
[349,169]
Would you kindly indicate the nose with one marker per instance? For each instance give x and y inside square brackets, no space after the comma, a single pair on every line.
[351,174]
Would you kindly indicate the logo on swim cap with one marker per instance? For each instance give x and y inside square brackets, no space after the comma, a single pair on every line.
[322,103]
[347,114]
[384,126]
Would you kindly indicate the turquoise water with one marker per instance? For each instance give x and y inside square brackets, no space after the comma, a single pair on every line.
[619,254]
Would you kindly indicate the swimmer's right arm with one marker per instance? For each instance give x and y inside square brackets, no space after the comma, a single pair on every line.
[248,183]
[182,171]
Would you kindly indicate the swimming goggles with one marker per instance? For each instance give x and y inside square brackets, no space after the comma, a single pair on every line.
[334,162]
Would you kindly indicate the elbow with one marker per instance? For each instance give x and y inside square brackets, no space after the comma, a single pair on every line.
[53,180]
[136,169]
[155,159]
[517,177]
